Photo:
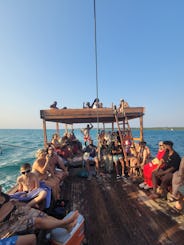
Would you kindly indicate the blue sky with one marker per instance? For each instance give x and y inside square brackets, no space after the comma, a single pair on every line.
[47,53]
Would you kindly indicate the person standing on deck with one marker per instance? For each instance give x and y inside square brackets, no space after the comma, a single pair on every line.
[86,133]
[90,154]
[117,156]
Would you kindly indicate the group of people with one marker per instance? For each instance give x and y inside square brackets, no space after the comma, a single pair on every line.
[54,106]
[40,182]
[18,218]
[162,174]
[23,212]
[95,104]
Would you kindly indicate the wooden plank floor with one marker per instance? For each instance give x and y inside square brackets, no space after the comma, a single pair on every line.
[119,213]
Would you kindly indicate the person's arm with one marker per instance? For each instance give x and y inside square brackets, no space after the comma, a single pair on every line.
[20,184]
[165,171]
[61,164]
[36,166]
[36,181]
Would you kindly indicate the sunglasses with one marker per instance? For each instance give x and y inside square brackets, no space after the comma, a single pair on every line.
[26,172]
[160,145]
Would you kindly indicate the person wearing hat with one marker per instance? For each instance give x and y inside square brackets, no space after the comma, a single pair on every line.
[163,175]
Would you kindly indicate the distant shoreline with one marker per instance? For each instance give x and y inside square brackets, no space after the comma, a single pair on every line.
[145,128]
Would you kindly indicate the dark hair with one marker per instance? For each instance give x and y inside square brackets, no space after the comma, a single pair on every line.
[143,142]
[26,165]
[168,142]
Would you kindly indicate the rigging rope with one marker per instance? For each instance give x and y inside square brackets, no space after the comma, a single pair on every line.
[96,63]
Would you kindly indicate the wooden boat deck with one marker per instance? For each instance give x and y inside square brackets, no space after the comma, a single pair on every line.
[118,212]
[115,212]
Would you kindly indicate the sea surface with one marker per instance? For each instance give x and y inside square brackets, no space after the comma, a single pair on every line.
[18,146]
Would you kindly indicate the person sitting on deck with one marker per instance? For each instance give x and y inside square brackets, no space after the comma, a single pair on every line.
[29,189]
[87,105]
[57,166]
[177,181]
[54,105]
[117,156]
[55,141]
[86,133]
[180,199]
[148,168]
[163,175]
[16,218]
[43,170]
[95,103]
[123,104]
[90,154]
[141,157]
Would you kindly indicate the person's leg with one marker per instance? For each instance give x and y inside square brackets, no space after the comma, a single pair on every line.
[29,239]
[179,203]
[49,222]
[156,179]
[166,181]
[88,165]
[115,160]
[133,165]
[176,182]
[96,165]
[122,166]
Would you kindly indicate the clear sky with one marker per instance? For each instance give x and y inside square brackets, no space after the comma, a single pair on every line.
[47,53]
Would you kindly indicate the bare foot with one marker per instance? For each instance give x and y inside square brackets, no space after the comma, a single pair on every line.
[71,225]
[72,218]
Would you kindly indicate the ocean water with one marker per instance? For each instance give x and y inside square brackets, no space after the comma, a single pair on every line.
[20,145]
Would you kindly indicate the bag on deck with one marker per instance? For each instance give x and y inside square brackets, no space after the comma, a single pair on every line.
[61,209]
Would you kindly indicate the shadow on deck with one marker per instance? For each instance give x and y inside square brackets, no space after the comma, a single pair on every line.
[118,212]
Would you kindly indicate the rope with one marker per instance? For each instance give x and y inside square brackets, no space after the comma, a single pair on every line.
[96,69]
[96,63]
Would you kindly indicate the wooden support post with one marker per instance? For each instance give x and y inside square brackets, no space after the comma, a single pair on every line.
[141,129]
[44,133]
[57,128]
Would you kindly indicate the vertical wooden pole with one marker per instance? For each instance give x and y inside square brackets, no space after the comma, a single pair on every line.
[57,128]
[141,129]
[44,133]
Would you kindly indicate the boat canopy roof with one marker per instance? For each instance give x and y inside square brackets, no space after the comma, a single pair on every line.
[85,115]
